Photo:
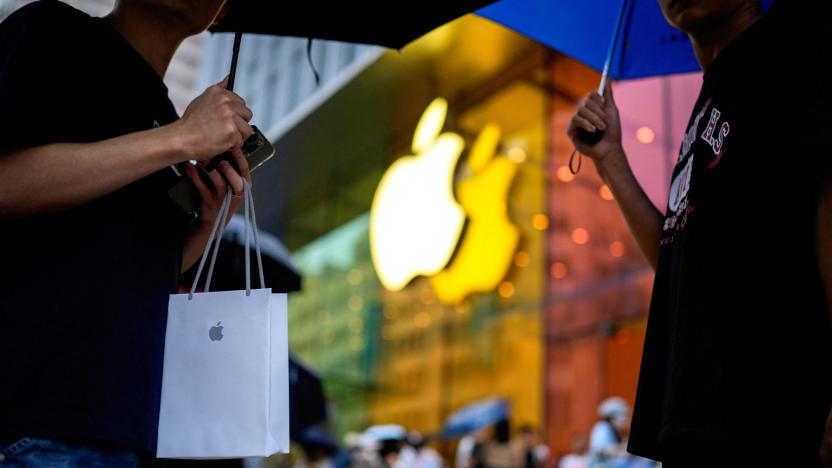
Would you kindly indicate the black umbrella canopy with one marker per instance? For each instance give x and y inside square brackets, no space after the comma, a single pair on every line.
[390,23]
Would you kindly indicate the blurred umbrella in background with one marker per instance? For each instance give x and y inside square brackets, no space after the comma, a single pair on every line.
[476,416]
[307,404]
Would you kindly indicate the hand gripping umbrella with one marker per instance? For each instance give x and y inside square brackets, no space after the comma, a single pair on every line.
[640,44]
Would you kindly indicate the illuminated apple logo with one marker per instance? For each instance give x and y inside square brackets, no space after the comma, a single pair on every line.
[215,333]
[487,250]
[415,221]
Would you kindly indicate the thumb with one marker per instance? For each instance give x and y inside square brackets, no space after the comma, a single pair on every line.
[224,83]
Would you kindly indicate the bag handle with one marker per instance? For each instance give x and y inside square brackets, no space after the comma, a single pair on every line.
[216,237]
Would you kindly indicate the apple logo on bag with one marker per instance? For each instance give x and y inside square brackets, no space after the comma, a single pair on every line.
[216,332]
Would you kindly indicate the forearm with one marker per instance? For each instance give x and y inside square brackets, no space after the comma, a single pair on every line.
[643,219]
[60,176]
[195,242]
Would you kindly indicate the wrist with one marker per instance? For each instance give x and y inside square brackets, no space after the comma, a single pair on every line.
[180,143]
[613,161]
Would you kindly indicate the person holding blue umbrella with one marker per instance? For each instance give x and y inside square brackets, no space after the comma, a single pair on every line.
[737,364]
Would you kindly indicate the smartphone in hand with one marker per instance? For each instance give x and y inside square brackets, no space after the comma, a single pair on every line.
[257,149]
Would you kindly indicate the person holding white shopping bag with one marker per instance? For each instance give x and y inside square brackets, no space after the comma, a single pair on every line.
[225,390]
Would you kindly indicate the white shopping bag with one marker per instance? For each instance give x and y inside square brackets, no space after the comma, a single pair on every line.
[225,387]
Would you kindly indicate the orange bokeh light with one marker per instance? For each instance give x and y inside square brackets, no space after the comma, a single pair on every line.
[540,222]
[565,175]
[606,193]
[558,270]
[506,289]
[645,135]
[521,259]
[580,236]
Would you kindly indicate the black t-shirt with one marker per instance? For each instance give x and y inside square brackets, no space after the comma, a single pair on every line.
[83,292]
[738,351]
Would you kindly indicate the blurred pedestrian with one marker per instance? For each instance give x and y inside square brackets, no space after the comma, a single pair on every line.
[92,245]
[534,453]
[417,454]
[607,446]
[578,457]
[726,336]
[465,448]
[497,452]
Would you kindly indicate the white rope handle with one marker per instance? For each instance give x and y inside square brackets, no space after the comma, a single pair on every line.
[216,237]
[223,207]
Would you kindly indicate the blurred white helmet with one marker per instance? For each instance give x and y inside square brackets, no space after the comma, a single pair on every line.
[614,408]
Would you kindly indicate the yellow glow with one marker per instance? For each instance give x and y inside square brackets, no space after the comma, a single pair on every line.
[426,296]
[580,236]
[606,193]
[354,277]
[521,259]
[506,289]
[429,126]
[357,326]
[517,155]
[565,175]
[484,148]
[558,270]
[355,303]
[617,249]
[540,222]
[422,320]
[645,135]
[486,252]
[415,221]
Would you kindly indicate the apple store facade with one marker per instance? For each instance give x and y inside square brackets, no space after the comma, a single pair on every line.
[448,253]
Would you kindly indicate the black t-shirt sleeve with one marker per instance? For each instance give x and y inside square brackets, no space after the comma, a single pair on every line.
[36,74]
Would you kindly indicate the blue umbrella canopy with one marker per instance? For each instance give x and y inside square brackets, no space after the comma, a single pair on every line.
[583,29]
[476,416]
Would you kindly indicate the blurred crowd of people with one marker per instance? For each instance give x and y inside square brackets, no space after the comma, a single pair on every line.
[392,446]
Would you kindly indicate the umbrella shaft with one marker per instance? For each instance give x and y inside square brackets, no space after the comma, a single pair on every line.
[607,64]
[238,37]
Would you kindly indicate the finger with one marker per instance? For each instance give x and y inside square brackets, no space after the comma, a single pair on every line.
[592,117]
[243,127]
[232,208]
[241,110]
[595,97]
[203,190]
[583,123]
[597,108]
[232,97]
[241,163]
[232,177]
[218,182]
[223,83]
